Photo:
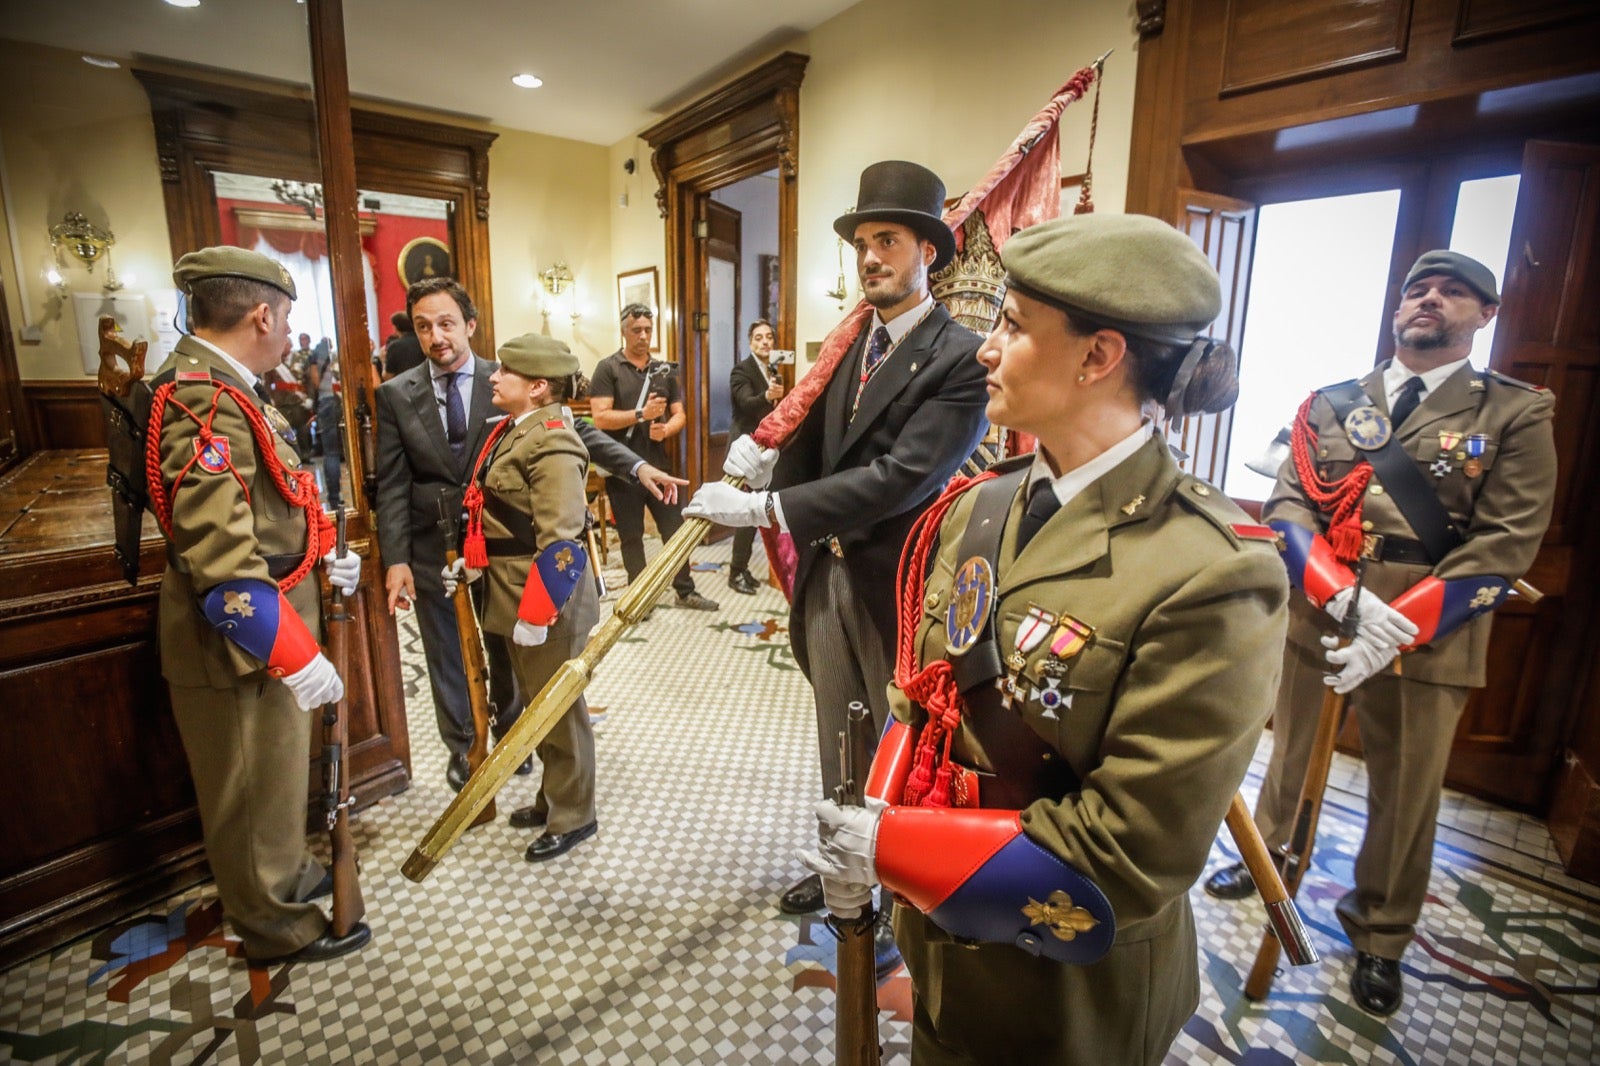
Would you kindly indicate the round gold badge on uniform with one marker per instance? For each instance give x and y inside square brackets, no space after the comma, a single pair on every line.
[970,598]
[1368,428]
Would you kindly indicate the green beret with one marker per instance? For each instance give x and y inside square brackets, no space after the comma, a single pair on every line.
[226,261]
[1474,274]
[534,355]
[1130,273]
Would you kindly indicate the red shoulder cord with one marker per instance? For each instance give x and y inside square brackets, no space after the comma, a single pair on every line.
[297,487]
[934,687]
[474,549]
[1340,500]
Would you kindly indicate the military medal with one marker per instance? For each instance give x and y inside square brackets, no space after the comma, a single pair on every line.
[1475,448]
[969,605]
[1069,638]
[1050,697]
[1441,466]
[1448,439]
[1034,628]
[1368,428]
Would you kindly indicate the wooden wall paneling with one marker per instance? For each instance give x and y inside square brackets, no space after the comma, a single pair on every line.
[66,414]
[1479,19]
[1273,42]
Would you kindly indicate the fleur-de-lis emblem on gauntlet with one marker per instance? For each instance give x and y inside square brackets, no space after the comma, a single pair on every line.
[1059,915]
[237,603]
[563,560]
[1486,597]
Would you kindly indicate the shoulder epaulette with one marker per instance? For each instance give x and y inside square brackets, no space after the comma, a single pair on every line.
[1210,502]
[1507,379]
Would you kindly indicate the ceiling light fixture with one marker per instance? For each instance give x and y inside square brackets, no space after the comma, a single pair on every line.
[102,62]
[184,3]
[527,81]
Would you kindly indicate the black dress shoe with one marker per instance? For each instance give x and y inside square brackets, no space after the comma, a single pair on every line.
[457,772]
[743,581]
[326,946]
[885,953]
[1231,882]
[526,818]
[526,768]
[802,898]
[1376,984]
[549,845]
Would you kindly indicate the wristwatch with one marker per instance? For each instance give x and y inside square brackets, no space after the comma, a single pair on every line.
[771,509]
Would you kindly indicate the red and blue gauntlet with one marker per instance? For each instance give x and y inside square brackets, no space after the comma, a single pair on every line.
[254,615]
[1440,606]
[1313,568]
[552,579]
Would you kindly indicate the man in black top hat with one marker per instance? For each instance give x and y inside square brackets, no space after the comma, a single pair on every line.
[899,417]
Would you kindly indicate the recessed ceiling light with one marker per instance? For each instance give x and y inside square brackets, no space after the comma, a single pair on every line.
[101,61]
[184,3]
[527,81]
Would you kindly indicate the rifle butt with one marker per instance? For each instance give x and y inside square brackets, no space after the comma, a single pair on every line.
[856,1026]
[348,905]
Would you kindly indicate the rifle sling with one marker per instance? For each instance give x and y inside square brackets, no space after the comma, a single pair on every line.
[1398,472]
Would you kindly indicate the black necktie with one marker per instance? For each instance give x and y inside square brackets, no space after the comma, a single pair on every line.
[455,416]
[877,348]
[1406,402]
[1042,503]
[261,391]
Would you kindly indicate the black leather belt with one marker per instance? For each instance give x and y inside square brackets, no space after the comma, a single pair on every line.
[1395,550]
[281,566]
[508,546]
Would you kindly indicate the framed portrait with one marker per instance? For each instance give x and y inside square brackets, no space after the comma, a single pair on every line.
[425,257]
[642,287]
[769,287]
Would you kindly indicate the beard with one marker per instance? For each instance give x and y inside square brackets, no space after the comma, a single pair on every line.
[1423,338]
[888,293]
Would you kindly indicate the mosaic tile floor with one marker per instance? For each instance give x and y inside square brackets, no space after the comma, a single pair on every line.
[659,942]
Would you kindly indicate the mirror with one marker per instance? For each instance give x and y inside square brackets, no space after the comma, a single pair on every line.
[404,239]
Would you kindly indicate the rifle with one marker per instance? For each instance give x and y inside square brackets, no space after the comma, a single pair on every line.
[369,468]
[856,1011]
[1297,852]
[472,660]
[348,906]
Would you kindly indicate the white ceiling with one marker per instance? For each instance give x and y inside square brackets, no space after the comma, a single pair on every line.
[610,67]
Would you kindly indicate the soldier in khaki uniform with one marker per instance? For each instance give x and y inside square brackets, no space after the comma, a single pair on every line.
[1109,630]
[240,608]
[1482,444]
[527,499]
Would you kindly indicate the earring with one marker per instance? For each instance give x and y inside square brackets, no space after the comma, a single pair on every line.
[1082,378]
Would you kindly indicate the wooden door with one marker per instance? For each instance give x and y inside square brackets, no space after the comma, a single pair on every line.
[1511,739]
[711,406]
[1224,228]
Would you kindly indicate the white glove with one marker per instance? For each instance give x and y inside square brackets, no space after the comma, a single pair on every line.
[751,461]
[457,572]
[1362,658]
[344,571]
[722,503]
[1378,620]
[847,840]
[315,684]
[528,635]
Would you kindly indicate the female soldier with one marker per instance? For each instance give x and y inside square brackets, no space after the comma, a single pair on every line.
[525,516]
[1081,677]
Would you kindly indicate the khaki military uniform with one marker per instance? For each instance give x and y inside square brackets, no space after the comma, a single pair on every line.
[1501,500]
[538,472]
[247,741]
[1157,716]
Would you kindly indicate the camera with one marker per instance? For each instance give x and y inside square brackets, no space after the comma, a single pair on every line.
[781,357]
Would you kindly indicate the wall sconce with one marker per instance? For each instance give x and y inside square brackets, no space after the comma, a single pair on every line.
[306,195]
[556,280]
[838,291]
[87,243]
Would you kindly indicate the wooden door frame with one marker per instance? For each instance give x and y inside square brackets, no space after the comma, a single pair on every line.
[745,128]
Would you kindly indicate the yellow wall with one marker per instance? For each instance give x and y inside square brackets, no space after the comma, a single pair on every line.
[75,138]
[547,202]
[945,83]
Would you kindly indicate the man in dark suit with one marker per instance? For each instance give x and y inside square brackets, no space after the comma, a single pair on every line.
[755,387]
[900,415]
[432,421]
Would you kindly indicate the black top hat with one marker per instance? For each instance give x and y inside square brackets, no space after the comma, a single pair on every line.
[911,195]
